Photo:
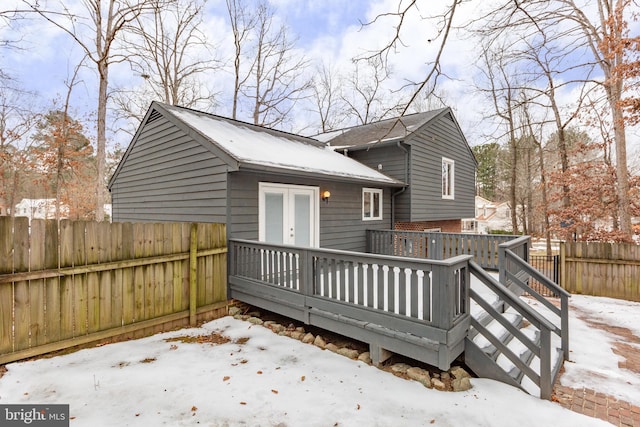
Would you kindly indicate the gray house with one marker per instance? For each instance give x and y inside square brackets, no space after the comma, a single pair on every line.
[429,152]
[413,173]
[267,185]
[318,230]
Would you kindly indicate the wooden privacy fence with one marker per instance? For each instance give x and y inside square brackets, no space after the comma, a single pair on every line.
[601,269]
[68,283]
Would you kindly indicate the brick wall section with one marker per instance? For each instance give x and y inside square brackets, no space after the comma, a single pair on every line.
[446,226]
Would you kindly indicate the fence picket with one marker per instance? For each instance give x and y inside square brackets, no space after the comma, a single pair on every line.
[80,288]
[106,300]
[6,289]
[92,279]
[129,285]
[52,285]
[67,282]
[36,287]
[21,308]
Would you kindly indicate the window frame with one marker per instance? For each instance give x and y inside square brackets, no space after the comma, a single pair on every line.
[450,177]
[371,205]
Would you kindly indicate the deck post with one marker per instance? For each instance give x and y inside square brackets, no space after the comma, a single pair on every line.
[307,285]
[444,297]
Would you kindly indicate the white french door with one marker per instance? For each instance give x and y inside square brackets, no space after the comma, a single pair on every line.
[289,214]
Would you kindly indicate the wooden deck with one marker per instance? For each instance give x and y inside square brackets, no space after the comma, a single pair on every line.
[418,308]
[414,306]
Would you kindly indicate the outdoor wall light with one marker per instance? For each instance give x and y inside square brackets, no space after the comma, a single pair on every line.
[325,196]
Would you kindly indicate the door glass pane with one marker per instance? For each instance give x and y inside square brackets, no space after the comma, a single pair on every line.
[274,218]
[302,220]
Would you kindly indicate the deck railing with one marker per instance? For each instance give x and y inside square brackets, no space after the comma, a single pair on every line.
[415,307]
[558,316]
[431,292]
[436,245]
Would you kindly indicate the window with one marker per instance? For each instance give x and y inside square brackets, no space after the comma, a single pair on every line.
[447,178]
[371,204]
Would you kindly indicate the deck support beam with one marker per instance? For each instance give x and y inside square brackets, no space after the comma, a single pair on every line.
[378,354]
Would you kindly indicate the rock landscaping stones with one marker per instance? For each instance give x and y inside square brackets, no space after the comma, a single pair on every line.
[461,384]
[365,357]
[319,342]
[459,373]
[419,375]
[331,347]
[255,320]
[400,368]
[438,385]
[347,352]
[308,338]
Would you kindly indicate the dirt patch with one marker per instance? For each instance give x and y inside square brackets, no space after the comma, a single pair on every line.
[214,339]
[3,370]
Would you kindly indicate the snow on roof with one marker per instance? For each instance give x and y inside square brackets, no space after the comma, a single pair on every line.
[268,148]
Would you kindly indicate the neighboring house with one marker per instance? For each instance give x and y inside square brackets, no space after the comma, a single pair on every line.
[429,152]
[488,216]
[39,209]
[186,165]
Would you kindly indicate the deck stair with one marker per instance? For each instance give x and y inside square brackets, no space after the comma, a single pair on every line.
[512,341]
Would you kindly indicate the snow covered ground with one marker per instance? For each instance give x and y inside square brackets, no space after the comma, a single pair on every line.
[259,378]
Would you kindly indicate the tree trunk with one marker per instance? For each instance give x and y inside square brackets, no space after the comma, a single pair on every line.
[103,70]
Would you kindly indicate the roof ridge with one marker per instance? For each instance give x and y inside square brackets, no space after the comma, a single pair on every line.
[249,125]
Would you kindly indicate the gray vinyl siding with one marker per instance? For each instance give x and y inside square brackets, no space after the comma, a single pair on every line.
[341,224]
[167,176]
[395,163]
[441,138]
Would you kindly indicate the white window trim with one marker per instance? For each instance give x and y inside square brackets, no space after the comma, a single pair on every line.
[452,178]
[372,191]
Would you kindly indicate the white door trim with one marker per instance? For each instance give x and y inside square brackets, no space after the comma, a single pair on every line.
[289,191]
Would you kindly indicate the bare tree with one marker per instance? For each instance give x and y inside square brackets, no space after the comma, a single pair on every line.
[278,79]
[269,74]
[96,33]
[17,120]
[597,33]
[366,94]
[442,24]
[171,55]
[242,25]
[167,48]
[327,98]
[503,91]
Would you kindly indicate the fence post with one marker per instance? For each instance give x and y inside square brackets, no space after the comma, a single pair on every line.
[563,258]
[193,271]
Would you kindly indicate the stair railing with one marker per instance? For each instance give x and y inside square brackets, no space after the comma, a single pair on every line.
[546,377]
[561,313]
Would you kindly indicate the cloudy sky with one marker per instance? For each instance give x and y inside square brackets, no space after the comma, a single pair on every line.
[331,31]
